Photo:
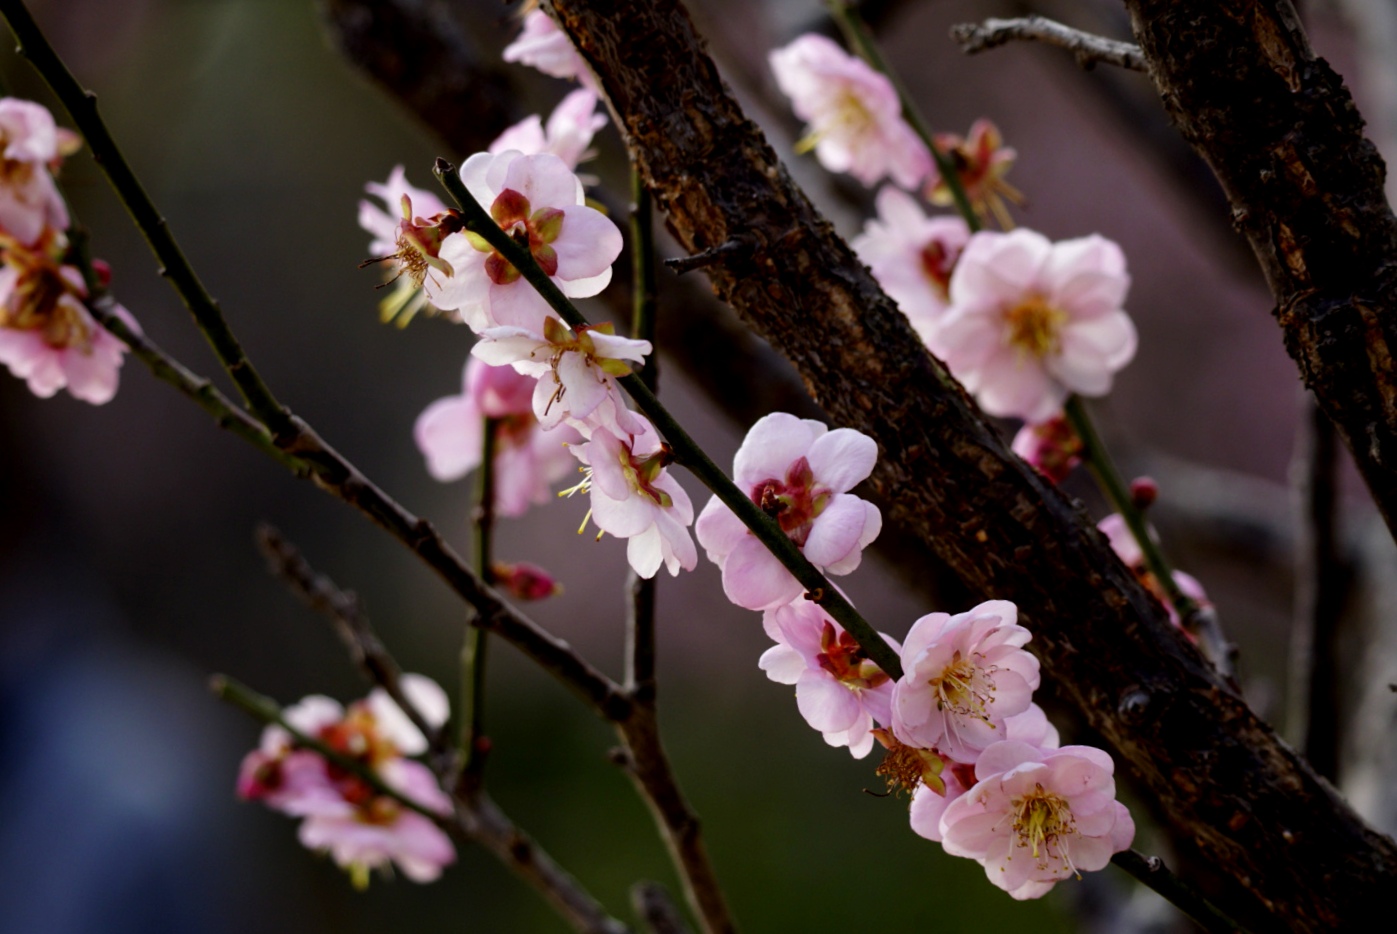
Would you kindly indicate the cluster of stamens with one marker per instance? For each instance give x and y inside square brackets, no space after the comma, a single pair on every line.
[1043,823]
[1035,327]
[965,688]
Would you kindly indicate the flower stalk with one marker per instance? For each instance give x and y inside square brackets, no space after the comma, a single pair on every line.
[640,620]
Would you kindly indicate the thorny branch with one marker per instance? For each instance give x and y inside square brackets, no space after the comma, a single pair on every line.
[1087,48]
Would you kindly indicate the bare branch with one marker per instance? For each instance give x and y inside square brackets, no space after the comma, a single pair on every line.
[1087,48]
[656,910]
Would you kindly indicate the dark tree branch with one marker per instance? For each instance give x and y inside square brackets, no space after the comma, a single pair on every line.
[1087,48]
[1280,131]
[657,912]
[1219,774]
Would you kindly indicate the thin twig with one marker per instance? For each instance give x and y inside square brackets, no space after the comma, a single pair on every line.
[477,820]
[686,451]
[1201,622]
[1086,47]
[1151,872]
[342,608]
[657,912]
[82,107]
[474,745]
[1322,575]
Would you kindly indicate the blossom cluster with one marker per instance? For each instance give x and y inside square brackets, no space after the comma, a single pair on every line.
[48,337]
[549,390]
[360,827]
[984,767]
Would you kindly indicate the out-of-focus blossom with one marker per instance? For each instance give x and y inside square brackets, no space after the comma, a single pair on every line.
[912,256]
[567,135]
[963,676]
[343,814]
[1050,446]
[407,232]
[800,474]
[31,148]
[524,580]
[929,802]
[47,336]
[574,372]
[1125,546]
[635,498]
[853,114]
[1037,816]
[981,161]
[839,691]
[1032,321]
[542,45]
[450,433]
[539,202]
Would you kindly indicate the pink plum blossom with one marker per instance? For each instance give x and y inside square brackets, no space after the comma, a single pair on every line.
[1037,816]
[1032,321]
[853,114]
[912,256]
[839,691]
[635,498]
[382,222]
[1051,446]
[800,473]
[963,676]
[404,236]
[981,160]
[928,803]
[48,337]
[567,135]
[31,145]
[542,45]
[343,814]
[539,202]
[574,373]
[450,434]
[1125,546]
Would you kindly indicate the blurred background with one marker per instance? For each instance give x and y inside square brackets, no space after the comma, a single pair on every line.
[128,572]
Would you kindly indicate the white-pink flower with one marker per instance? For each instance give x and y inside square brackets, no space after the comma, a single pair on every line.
[47,336]
[912,256]
[567,135]
[542,45]
[1031,727]
[574,372]
[450,434]
[382,222]
[839,691]
[345,815]
[1037,816]
[1032,321]
[30,146]
[1051,446]
[539,202]
[963,676]
[635,498]
[853,114]
[800,473]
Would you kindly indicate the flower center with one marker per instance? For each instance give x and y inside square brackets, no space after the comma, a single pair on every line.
[843,657]
[964,688]
[532,230]
[641,474]
[936,266]
[1035,327]
[794,502]
[905,767]
[847,116]
[1043,822]
[44,301]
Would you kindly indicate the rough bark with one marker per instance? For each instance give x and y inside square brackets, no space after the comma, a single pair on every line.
[1288,854]
[1280,131]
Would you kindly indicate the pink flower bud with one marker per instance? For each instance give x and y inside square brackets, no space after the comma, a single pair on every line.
[524,580]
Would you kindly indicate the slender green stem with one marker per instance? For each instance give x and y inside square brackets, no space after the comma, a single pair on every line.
[640,620]
[857,33]
[473,652]
[686,450]
[1152,873]
[82,107]
[268,711]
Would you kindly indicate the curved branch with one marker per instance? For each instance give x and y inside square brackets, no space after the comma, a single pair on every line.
[1086,47]
[1219,774]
